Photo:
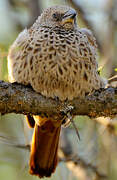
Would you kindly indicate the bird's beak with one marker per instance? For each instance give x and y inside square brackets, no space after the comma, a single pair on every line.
[69,16]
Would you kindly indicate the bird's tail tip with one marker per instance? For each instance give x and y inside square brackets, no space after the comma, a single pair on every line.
[43,158]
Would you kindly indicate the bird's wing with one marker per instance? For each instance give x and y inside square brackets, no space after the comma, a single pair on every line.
[90,37]
[17,58]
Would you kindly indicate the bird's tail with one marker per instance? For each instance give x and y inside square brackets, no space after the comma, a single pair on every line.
[43,158]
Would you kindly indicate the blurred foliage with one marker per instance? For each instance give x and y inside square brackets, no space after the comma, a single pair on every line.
[97,145]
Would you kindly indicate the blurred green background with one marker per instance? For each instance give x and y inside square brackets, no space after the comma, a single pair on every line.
[97,146]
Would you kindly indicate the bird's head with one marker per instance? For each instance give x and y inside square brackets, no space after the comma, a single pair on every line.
[58,16]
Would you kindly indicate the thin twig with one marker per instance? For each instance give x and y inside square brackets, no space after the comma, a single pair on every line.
[112,79]
[73,123]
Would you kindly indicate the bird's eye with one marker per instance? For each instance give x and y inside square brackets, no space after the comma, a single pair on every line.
[55,16]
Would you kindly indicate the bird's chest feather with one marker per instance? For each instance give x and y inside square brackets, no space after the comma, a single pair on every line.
[61,64]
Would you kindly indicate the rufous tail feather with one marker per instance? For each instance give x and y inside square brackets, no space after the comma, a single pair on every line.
[43,158]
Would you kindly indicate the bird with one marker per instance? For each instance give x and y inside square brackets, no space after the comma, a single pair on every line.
[58,59]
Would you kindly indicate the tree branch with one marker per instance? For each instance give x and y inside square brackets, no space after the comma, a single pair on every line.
[80,168]
[23,100]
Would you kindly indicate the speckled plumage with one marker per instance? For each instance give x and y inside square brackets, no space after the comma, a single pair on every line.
[56,57]
[55,61]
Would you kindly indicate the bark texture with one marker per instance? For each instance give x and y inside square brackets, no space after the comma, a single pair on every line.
[23,100]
